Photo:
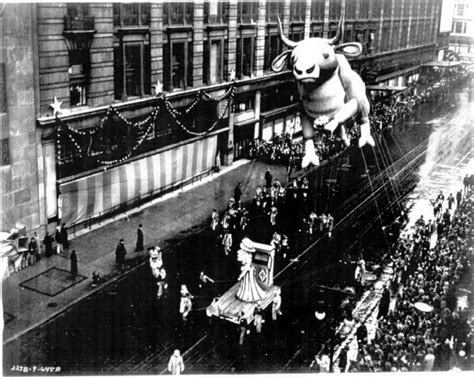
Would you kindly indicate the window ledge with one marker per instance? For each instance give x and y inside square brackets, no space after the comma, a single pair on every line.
[216,27]
[178,28]
[133,30]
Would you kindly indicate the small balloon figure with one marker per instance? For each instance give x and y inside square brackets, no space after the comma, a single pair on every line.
[250,289]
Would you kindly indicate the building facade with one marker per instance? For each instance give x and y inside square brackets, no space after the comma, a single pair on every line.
[462,33]
[147,95]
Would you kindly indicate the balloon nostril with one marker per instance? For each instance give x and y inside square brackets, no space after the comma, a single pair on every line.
[310,70]
[298,71]
[325,55]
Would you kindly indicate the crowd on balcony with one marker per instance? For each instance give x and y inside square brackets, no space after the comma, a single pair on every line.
[435,335]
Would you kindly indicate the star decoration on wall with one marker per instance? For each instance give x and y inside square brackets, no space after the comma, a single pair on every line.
[158,88]
[56,105]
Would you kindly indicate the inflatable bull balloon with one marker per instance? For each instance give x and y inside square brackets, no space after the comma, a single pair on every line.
[330,92]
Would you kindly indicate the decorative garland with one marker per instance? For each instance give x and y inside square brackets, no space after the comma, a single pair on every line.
[64,130]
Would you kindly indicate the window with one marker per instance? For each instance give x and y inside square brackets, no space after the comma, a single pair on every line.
[272,49]
[132,70]
[131,14]
[3,89]
[79,67]
[413,33]
[317,9]
[404,40]
[178,58]
[395,34]
[245,48]
[78,10]
[397,8]
[178,13]
[387,8]
[297,34]
[459,10]
[297,11]
[244,102]
[385,38]
[5,145]
[215,12]
[213,61]
[406,8]
[350,10]
[459,27]
[247,12]
[334,9]
[364,9]
[274,8]
[376,9]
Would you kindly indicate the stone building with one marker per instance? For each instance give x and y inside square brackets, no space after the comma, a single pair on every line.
[148,94]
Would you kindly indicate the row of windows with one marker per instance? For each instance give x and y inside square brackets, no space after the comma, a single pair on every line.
[132,58]
[216,12]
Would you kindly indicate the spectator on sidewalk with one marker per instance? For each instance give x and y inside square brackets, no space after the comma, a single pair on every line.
[38,246]
[458,198]
[64,236]
[176,364]
[140,237]
[32,251]
[120,253]
[466,181]
[450,201]
[48,244]
[74,260]
[59,240]
[384,302]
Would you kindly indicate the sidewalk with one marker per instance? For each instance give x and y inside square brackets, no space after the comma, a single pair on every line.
[172,216]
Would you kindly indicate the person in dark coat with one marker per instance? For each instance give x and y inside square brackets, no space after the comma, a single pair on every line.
[65,237]
[384,302]
[139,246]
[73,259]
[48,245]
[120,253]
[458,197]
[268,178]
[59,240]
[238,193]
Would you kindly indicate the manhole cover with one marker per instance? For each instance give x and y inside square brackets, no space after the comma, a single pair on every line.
[52,305]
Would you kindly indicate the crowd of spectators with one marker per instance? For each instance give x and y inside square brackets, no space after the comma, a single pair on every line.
[435,336]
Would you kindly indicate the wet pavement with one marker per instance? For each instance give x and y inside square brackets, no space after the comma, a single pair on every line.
[123,329]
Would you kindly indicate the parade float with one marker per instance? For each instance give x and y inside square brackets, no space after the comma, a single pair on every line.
[254,288]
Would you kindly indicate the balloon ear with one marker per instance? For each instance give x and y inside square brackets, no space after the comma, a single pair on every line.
[280,61]
[349,49]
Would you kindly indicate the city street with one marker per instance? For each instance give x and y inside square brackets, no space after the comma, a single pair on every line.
[124,329]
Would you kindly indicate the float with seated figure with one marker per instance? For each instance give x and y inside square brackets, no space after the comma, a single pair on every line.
[254,288]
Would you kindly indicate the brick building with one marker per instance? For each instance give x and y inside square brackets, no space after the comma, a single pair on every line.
[115,143]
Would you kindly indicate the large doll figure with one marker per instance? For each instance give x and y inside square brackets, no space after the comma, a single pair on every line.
[250,289]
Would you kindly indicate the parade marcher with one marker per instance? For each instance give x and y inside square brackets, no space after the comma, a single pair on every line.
[73,259]
[185,304]
[238,193]
[120,253]
[268,178]
[440,197]
[244,327]
[312,217]
[59,240]
[176,364]
[140,237]
[157,270]
[48,244]
[204,279]
[258,317]
[214,220]
[330,224]
[65,237]
[227,242]
[276,304]
[360,272]
[285,247]
[273,216]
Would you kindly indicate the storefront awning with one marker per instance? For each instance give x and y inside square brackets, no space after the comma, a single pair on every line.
[377,87]
[442,64]
[397,73]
